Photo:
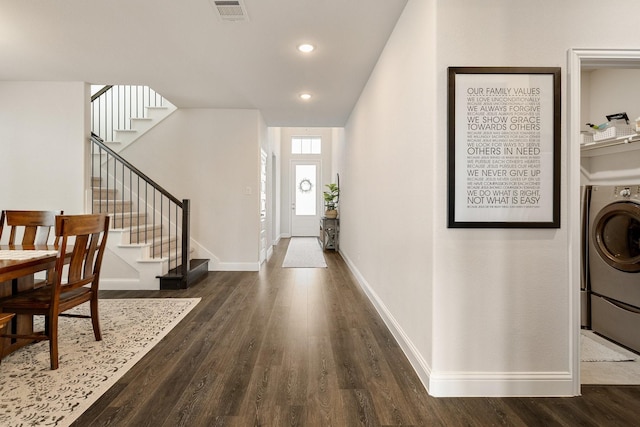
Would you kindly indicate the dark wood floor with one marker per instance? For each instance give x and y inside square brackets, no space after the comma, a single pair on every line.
[304,347]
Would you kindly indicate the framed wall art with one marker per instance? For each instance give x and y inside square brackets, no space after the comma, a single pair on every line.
[504,147]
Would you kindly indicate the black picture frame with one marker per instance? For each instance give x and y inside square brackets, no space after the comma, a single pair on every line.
[504,147]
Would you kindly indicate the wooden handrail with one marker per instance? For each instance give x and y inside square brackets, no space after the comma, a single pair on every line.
[98,141]
[99,93]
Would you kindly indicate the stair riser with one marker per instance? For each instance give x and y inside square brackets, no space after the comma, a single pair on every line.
[166,242]
[112,206]
[125,220]
[147,235]
[104,194]
[165,250]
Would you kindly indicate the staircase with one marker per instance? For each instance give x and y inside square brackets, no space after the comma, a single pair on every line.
[133,225]
[120,114]
[150,227]
[149,234]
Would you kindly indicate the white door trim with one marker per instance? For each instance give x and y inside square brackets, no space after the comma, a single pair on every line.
[577,59]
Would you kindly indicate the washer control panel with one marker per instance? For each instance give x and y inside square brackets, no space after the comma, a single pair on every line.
[616,193]
[626,191]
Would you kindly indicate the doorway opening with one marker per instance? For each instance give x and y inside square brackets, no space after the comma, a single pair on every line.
[588,166]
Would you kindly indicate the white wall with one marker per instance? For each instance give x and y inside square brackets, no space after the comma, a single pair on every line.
[483,312]
[212,157]
[337,146]
[613,90]
[43,140]
[387,203]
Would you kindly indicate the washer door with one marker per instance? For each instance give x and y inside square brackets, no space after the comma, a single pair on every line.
[616,235]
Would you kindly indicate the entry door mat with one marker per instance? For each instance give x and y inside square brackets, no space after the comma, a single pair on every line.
[33,395]
[593,351]
[304,252]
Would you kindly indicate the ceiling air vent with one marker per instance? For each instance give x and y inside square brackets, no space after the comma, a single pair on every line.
[230,10]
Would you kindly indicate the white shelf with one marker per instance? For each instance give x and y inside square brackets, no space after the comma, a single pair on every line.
[610,146]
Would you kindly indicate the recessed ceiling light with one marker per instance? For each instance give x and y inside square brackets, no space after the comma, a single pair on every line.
[305,96]
[306,47]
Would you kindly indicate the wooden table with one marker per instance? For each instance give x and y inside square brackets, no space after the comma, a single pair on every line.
[17,275]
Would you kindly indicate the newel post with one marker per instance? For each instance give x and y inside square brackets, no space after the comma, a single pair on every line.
[186,233]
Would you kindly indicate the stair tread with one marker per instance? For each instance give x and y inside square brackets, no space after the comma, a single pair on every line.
[148,227]
[125,214]
[193,264]
[111,201]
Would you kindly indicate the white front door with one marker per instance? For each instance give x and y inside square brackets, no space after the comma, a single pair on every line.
[306,203]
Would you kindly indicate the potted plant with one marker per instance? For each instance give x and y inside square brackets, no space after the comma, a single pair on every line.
[331,197]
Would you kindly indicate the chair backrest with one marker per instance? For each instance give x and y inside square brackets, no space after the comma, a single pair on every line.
[35,226]
[88,236]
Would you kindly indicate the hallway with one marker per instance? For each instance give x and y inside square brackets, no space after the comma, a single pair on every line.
[304,347]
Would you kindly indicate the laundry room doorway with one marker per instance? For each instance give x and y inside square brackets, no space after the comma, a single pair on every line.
[596,89]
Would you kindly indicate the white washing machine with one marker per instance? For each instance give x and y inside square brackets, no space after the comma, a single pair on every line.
[614,263]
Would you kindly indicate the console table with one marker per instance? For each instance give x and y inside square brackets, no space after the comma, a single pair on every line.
[329,233]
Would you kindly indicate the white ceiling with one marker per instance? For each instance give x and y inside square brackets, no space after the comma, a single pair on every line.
[183,50]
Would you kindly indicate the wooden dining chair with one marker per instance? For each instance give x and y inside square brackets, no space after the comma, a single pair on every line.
[75,280]
[35,226]
[30,228]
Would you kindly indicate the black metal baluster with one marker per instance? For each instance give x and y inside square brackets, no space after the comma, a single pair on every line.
[146,213]
[158,251]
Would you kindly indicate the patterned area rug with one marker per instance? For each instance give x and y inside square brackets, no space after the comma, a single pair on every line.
[33,395]
[304,252]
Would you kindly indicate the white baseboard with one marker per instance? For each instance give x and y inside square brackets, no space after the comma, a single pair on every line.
[418,362]
[235,266]
[467,384]
[502,384]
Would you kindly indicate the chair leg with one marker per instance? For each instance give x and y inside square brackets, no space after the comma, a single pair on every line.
[95,320]
[53,341]
[5,320]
